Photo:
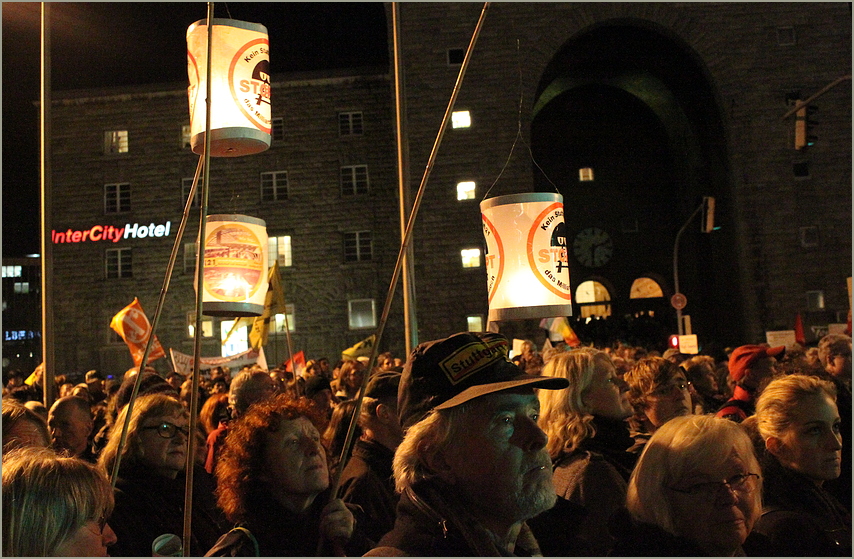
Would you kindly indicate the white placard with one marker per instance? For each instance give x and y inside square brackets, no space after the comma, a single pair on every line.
[781,337]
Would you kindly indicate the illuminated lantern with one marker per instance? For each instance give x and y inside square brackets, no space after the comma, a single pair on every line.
[235,278]
[526,260]
[240,81]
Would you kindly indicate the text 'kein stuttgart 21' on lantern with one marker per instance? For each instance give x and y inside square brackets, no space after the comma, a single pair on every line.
[240,81]
[235,276]
[526,261]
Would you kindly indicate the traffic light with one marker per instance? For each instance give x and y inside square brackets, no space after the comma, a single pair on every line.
[804,124]
[673,342]
[708,223]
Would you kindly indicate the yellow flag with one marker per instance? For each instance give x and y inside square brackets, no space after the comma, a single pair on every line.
[274,303]
[361,349]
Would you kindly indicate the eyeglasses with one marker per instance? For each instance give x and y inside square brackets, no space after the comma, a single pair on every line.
[168,430]
[666,389]
[102,523]
[711,489]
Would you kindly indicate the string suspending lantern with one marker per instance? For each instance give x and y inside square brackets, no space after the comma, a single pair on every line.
[240,80]
[526,260]
[235,266]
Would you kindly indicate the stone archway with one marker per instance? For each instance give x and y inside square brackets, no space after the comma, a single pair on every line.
[633,103]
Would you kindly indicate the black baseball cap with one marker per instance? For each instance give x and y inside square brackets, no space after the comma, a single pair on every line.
[383,384]
[445,373]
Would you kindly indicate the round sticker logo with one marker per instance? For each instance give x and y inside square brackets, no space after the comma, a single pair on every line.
[249,79]
[135,326]
[547,251]
[494,257]
[233,261]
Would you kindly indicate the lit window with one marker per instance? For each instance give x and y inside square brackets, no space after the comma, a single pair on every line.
[116,141]
[237,342]
[116,198]
[186,186]
[22,287]
[645,288]
[277,325]
[274,186]
[815,300]
[186,137]
[350,123]
[471,257]
[460,119]
[465,190]
[11,271]
[362,313]
[475,323]
[190,257]
[207,325]
[280,249]
[278,129]
[594,299]
[354,180]
[358,246]
[585,174]
[117,263]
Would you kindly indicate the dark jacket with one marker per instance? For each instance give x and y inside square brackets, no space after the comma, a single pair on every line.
[367,481]
[595,475]
[741,406]
[281,533]
[149,505]
[841,486]
[800,518]
[432,523]
[638,539]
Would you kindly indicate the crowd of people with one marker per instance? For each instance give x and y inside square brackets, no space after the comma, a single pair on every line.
[458,450]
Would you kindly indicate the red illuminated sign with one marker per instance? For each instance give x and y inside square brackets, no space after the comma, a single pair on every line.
[111,233]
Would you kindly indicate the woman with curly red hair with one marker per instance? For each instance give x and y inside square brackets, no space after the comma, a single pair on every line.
[273,484]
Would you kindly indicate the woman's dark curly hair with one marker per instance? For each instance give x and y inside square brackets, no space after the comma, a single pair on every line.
[241,461]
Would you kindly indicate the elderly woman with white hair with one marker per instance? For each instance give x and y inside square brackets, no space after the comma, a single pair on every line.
[54,506]
[696,491]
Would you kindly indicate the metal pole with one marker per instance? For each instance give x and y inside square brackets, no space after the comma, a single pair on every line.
[47,341]
[410,322]
[676,265]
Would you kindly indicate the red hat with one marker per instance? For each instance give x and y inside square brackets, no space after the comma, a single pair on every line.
[743,357]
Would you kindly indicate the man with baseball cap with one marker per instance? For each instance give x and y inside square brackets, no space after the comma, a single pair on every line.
[750,366]
[472,467]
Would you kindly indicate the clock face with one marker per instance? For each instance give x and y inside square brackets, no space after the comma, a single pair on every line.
[593,247]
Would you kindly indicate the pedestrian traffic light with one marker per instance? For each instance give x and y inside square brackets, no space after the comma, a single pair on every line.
[804,126]
[673,342]
[708,223]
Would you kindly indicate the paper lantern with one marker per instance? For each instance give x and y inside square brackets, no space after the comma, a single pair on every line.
[240,81]
[526,260]
[235,277]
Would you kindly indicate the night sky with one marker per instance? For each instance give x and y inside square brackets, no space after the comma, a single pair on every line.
[97,44]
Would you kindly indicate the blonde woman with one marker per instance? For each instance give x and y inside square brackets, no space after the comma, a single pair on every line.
[588,439]
[799,423]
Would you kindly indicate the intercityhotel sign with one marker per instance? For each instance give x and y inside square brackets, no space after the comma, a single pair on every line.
[111,233]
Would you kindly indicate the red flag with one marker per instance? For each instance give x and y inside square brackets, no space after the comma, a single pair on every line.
[799,330]
[132,325]
[299,359]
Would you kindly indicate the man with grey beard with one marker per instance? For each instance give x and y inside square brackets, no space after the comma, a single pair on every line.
[472,467]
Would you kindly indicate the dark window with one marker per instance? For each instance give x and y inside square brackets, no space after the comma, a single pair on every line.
[116,198]
[350,123]
[278,129]
[354,180]
[118,263]
[274,186]
[358,246]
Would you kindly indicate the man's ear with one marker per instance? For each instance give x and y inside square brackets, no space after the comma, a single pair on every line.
[438,464]
[387,414]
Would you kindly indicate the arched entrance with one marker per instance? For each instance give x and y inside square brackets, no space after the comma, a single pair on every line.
[631,108]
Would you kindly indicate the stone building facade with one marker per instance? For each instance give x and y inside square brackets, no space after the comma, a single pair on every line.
[665,102]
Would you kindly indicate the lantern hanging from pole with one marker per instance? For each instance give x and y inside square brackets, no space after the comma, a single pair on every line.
[526,260]
[240,81]
[235,266]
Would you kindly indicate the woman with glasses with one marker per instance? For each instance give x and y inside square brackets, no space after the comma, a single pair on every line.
[696,491]
[54,506]
[150,486]
[798,421]
[658,392]
[588,439]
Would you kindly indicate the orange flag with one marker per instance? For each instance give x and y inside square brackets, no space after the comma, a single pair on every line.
[132,325]
[799,330]
[299,360]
